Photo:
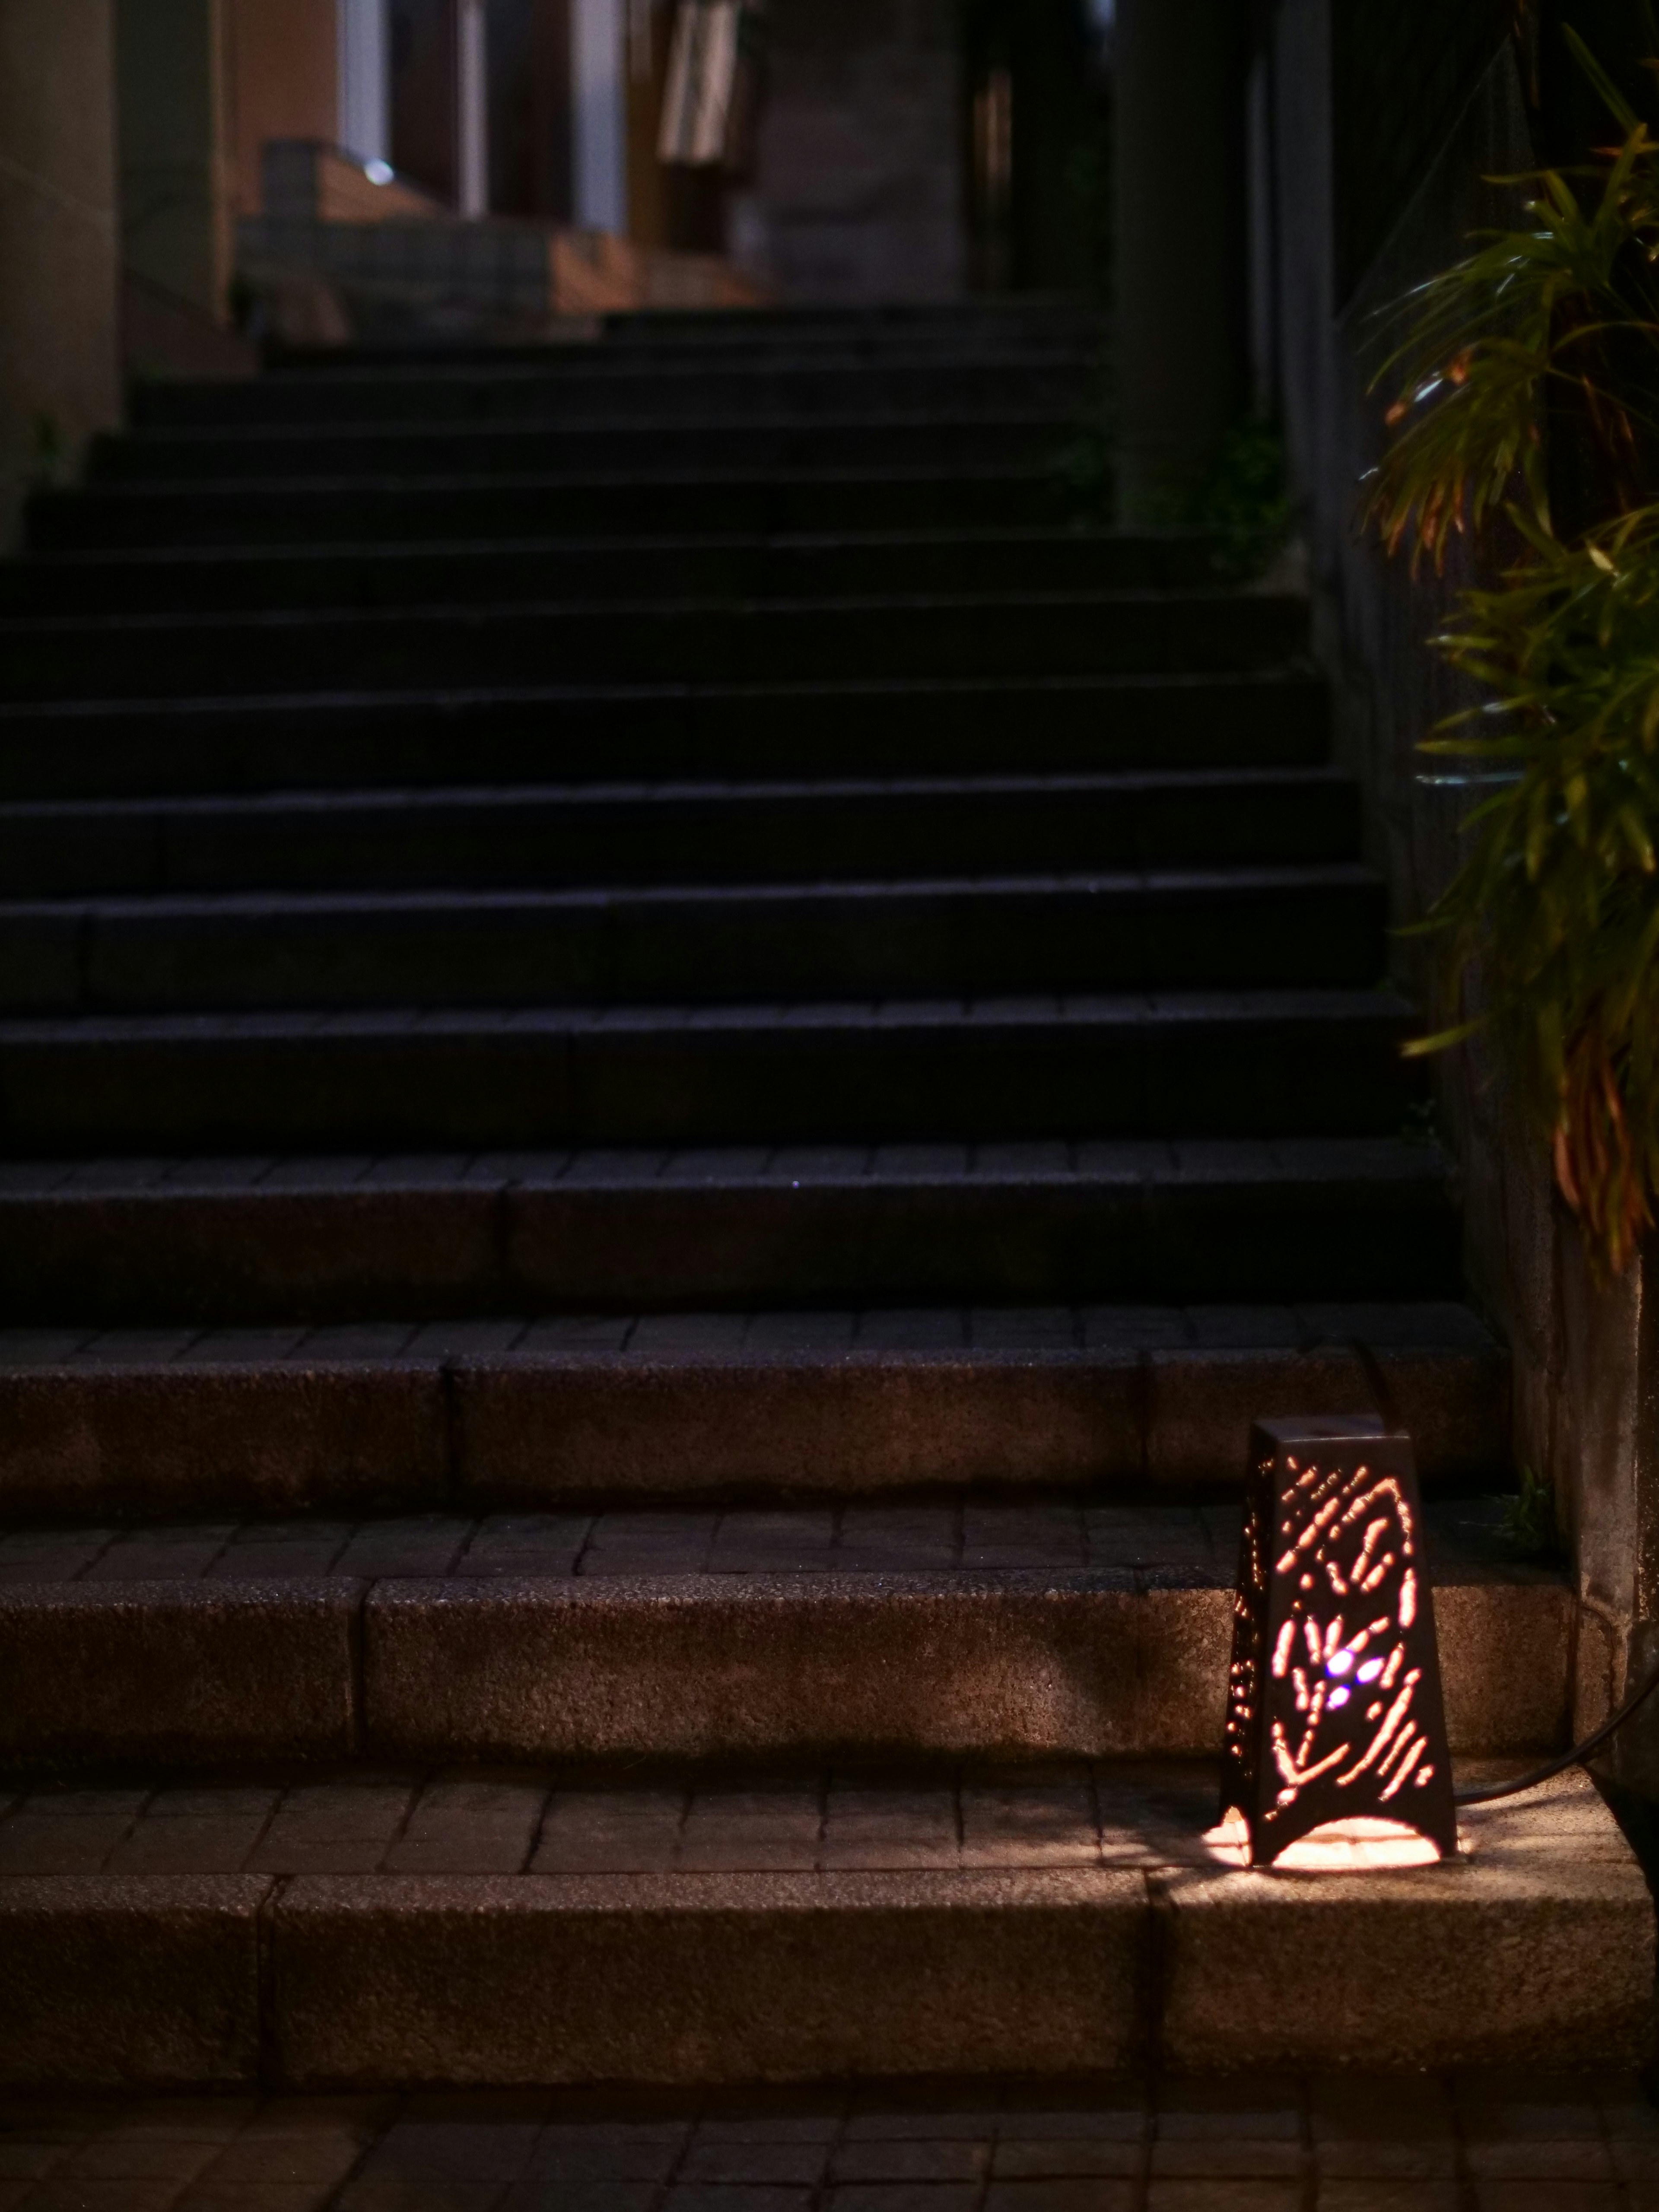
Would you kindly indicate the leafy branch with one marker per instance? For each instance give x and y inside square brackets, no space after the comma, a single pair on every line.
[1528,384]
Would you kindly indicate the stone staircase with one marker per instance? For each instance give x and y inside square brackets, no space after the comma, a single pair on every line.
[675,1067]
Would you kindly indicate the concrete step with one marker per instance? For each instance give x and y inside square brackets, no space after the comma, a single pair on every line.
[534,1928]
[945,636]
[621,501]
[211,578]
[1263,1063]
[680,832]
[209,1240]
[560,444]
[870,1631]
[955,329]
[587,383]
[942,727]
[1220,929]
[471,1416]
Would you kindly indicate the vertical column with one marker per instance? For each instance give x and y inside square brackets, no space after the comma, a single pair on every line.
[598,101]
[176,201]
[365,111]
[1179,244]
[472,107]
[59,377]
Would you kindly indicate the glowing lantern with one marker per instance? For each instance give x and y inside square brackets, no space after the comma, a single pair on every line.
[1333,1705]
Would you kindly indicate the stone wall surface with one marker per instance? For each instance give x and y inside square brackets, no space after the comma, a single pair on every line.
[58,378]
[858,190]
[1585,1354]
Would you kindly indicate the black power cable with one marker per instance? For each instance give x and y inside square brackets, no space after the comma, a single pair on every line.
[1576,1757]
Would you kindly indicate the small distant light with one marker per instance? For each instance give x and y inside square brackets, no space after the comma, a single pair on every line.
[379,173]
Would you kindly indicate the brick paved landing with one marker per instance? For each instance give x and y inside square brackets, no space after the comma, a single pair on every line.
[1514,2142]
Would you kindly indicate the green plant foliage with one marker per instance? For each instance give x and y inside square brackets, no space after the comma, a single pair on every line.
[1533,363]
[1529,1526]
[1243,501]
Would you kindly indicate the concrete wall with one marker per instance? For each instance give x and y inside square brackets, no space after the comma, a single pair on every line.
[1586,1403]
[282,70]
[59,377]
[858,194]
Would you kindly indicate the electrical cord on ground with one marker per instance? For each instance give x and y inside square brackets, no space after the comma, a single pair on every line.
[1576,1757]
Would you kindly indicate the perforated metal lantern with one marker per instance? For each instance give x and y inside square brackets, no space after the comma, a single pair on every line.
[1334,1706]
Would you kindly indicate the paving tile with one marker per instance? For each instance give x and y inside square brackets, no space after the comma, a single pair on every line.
[123,2153]
[1068,2158]
[1123,2118]
[321,2156]
[1534,2158]
[454,2149]
[1493,2104]
[1025,1329]
[721,2197]
[1028,1825]
[800,2164]
[772,1543]
[905,2196]
[897,1539]
[913,1329]
[1384,2196]
[754,1830]
[340,1827]
[591,2154]
[1230,2109]
[102,2193]
[1065,2193]
[475,1825]
[577,2196]
[1182,2195]
[245,2194]
[1014,1536]
[419,1545]
[938,2159]
[410,2193]
[525,1544]
[1517,2196]
[610,1831]
[803,2117]
[901,2120]
[182,1843]
[1246,2157]
[892,1827]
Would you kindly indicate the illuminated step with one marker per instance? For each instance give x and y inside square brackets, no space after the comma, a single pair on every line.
[372,1931]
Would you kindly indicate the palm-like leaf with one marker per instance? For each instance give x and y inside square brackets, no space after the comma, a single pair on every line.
[1556,908]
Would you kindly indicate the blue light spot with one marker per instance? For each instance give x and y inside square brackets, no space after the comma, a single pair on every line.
[1338,1697]
[1339,1662]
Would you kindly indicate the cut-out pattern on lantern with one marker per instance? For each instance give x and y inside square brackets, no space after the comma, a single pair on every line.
[1333,1704]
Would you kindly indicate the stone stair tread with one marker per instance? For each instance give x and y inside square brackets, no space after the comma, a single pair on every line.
[230,1239]
[203,1646]
[713,790]
[903,1335]
[1133,1162]
[1070,1543]
[73,561]
[370,1820]
[922,1923]
[480,1413]
[53,749]
[1192,600]
[1110,1010]
[1144,883]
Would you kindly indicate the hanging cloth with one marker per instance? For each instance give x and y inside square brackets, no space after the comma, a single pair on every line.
[709,102]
